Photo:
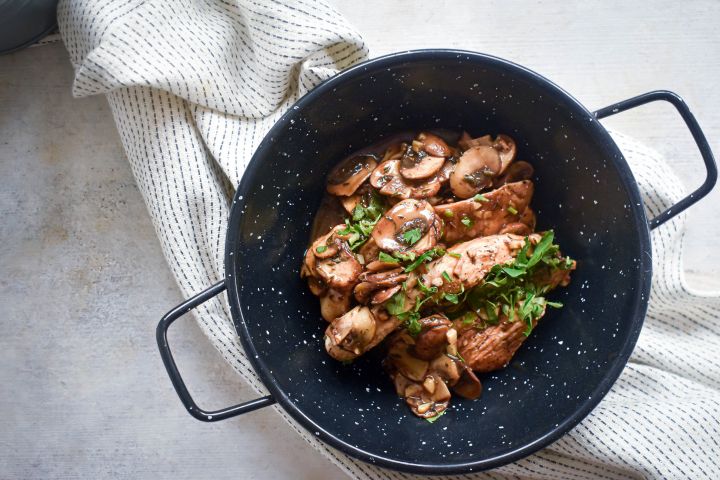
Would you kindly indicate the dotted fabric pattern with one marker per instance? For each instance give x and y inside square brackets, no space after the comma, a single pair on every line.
[195,85]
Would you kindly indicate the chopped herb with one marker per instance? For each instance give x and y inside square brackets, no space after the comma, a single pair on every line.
[509,289]
[384,257]
[412,324]
[481,198]
[405,257]
[512,210]
[425,289]
[446,276]
[362,221]
[467,319]
[396,304]
[412,236]
[453,298]
[453,254]
[448,213]
[321,249]
[465,220]
[425,257]
[435,418]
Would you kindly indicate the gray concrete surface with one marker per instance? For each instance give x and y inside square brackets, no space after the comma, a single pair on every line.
[83,282]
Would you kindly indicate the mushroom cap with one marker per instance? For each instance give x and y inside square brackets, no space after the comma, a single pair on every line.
[387,179]
[348,336]
[475,171]
[468,385]
[505,146]
[516,172]
[432,339]
[433,145]
[391,231]
[420,165]
[334,303]
[349,174]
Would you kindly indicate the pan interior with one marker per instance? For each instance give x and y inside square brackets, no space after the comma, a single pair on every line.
[583,190]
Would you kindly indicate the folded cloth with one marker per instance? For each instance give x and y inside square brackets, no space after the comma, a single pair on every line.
[194,86]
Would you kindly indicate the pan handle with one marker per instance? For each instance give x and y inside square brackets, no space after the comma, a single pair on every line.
[174,374]
[697,134]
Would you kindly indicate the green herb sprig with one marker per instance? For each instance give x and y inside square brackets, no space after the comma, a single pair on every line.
[362,221]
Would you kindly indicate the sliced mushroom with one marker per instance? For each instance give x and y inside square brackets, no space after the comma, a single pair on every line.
[468,385]
[466,141]
[516,172]
[371,282]
[505,146]
[347,336]
[341,268]
[349,174]
[424,157]
[383,296]
[432,145]
[334,303]
[387,179]
[432,339]
[410,226]
[475,171]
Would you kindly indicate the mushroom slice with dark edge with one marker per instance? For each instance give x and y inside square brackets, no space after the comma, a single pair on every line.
[516,172]
[387,179]
[349,174]
[504,145]
[349,336]
[410,226]
[370,282]
[424,157]
[475,171]
[489,213]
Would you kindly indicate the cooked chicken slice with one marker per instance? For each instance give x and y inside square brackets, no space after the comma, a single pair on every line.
[487,215]
[467,263]
[492,348]
[357,331]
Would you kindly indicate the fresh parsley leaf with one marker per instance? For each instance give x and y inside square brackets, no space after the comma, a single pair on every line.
[448,213]
[453,298]
[321,249]
[465,220]
[413,325]
[425,289]
[384,257]
[425,257]
[396,304]
[481,198]
[514,272]
[446,277]
[412,236]
[436,417]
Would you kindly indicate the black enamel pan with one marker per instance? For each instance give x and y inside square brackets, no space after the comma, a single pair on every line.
[584,190]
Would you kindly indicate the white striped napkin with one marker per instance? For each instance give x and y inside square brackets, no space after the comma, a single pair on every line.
[194,85]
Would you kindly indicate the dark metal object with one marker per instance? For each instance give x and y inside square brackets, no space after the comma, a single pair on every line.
[24,22]
[171,367]
[698,136]
[586,192]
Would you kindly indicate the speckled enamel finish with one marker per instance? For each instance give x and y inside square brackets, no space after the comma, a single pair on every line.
[584,190]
